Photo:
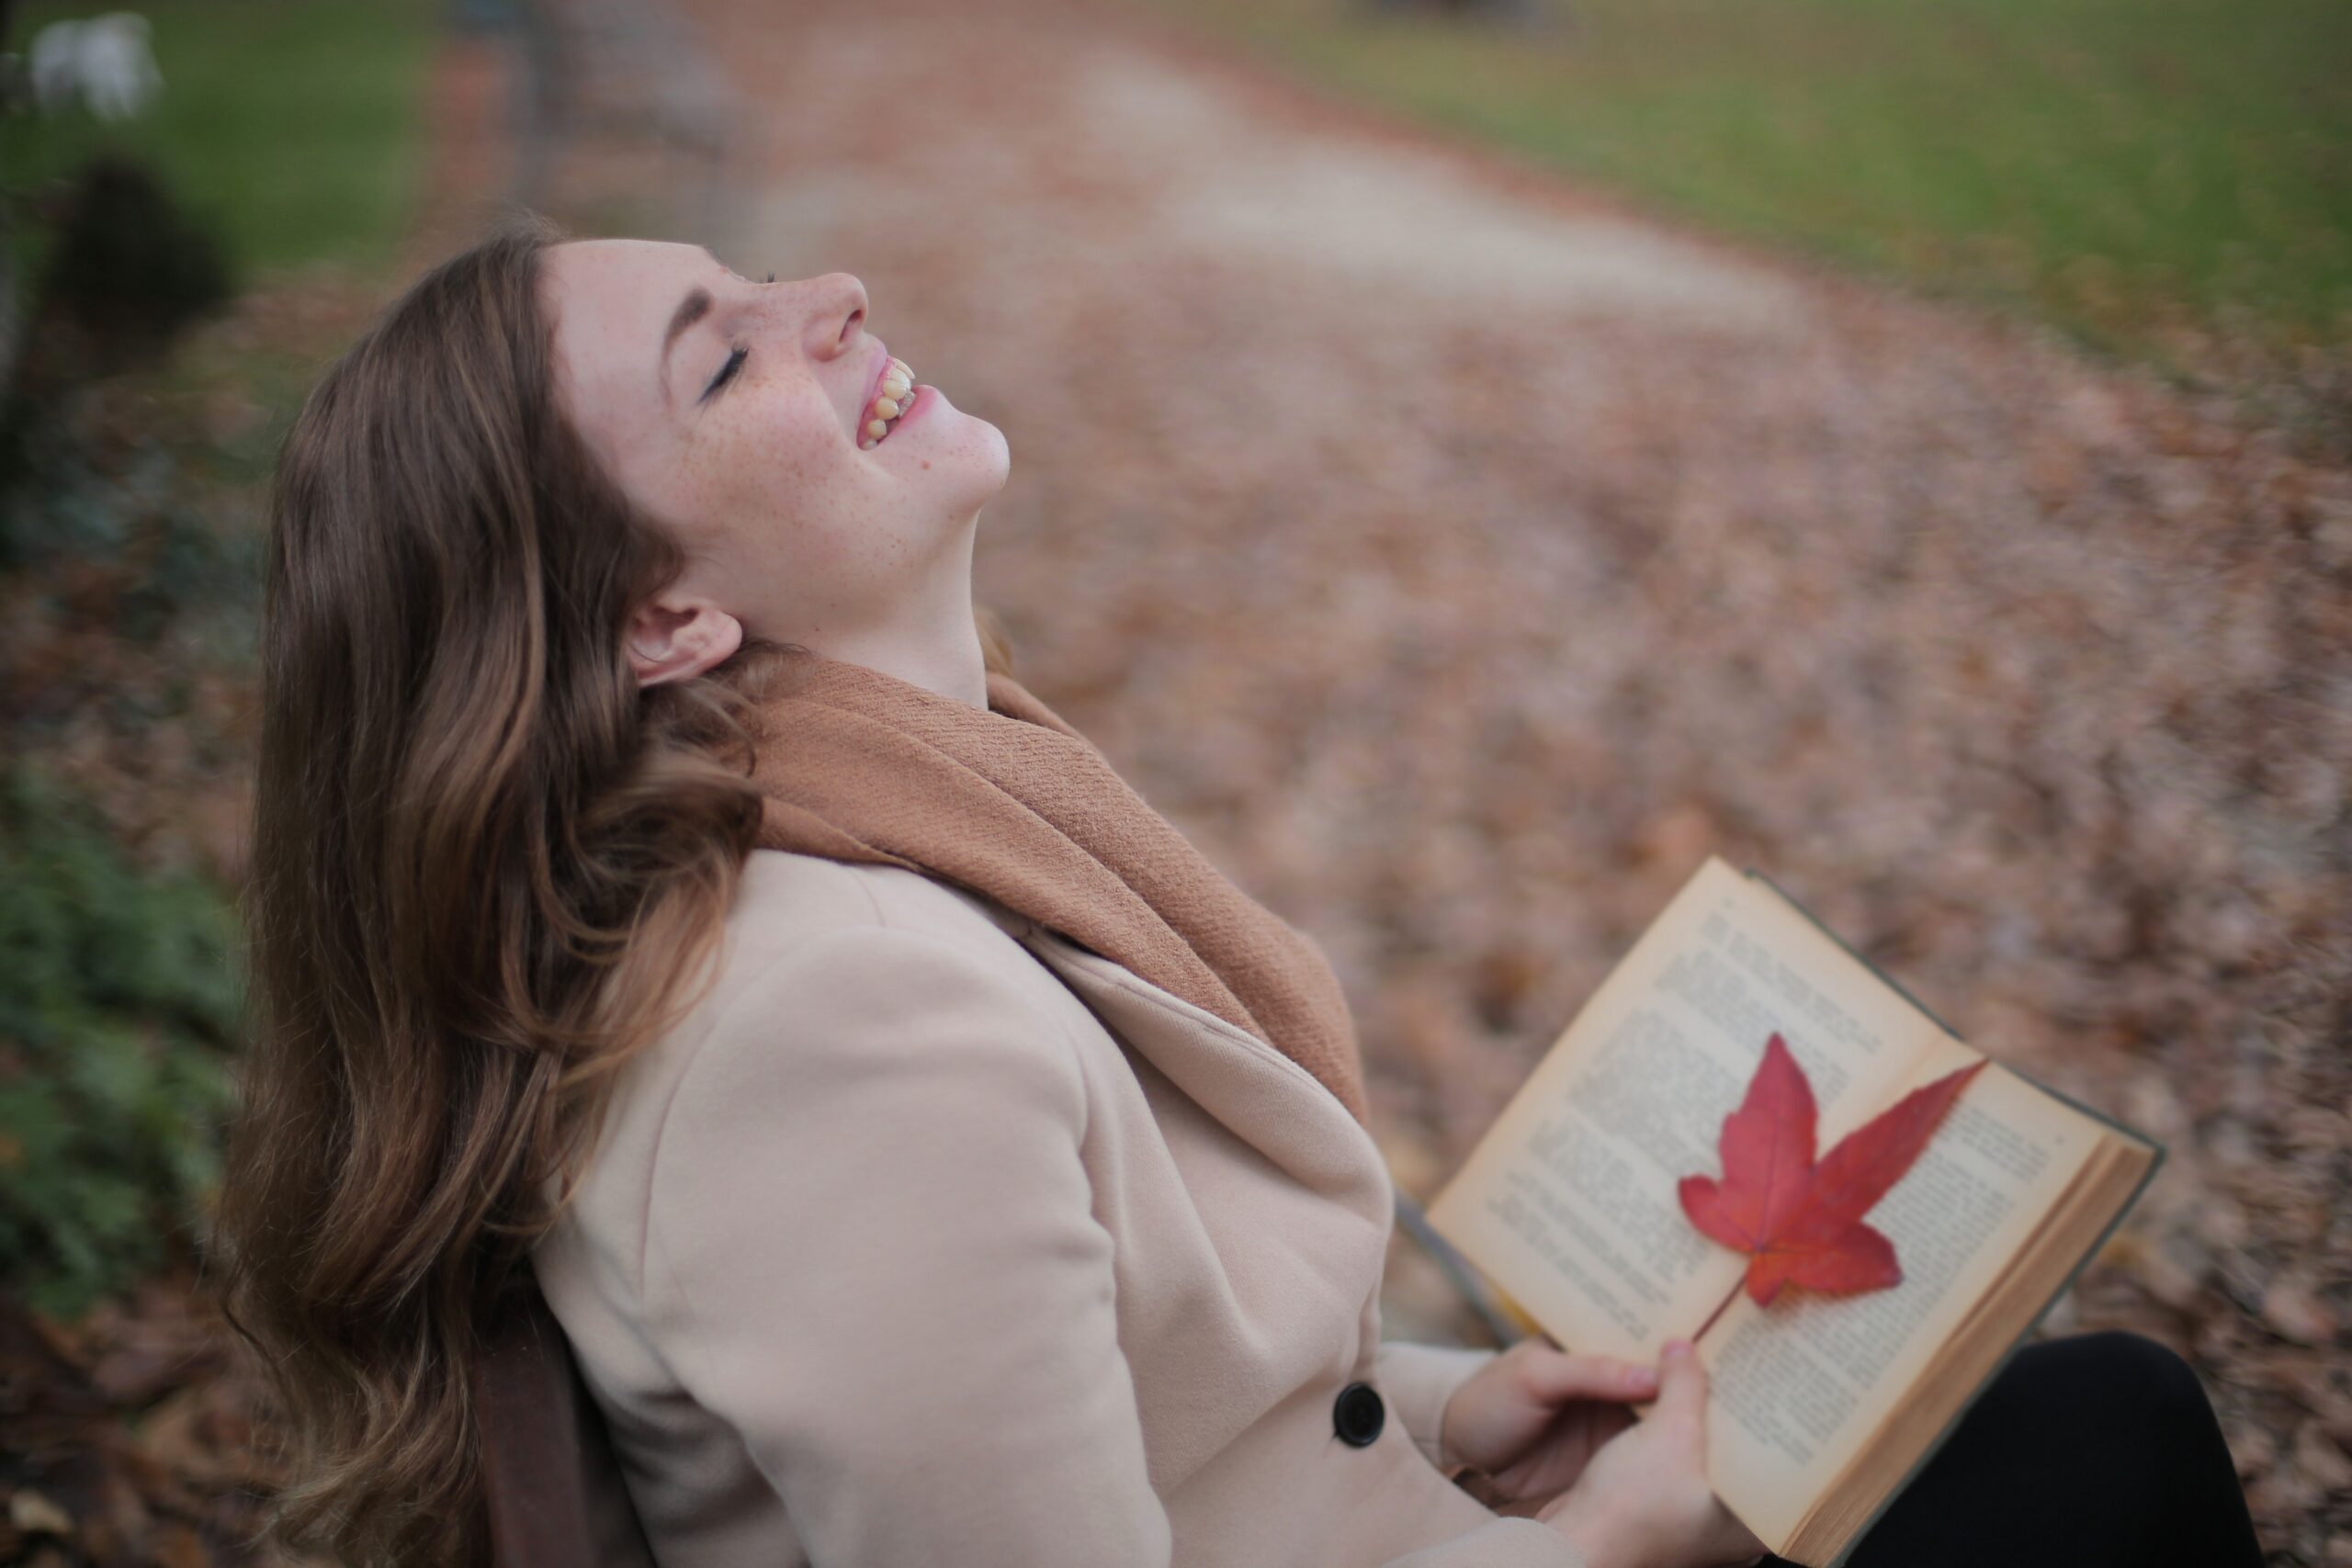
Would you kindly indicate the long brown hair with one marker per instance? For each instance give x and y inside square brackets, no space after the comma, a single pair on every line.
[486,866]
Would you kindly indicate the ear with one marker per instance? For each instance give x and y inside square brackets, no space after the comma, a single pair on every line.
[672,639]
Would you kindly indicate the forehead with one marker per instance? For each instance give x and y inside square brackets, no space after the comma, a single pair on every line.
[614,267]
[611,300]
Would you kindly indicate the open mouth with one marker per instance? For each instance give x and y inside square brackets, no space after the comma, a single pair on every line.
[891,399]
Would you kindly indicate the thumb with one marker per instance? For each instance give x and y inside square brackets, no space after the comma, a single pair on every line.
[1682,1382]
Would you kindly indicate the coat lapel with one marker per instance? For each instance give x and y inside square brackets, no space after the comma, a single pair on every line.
[1252,1268]
[1264,1098]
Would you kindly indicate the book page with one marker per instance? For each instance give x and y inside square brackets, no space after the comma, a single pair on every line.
[1798,1385]
[1568,1201]
[2120,1166]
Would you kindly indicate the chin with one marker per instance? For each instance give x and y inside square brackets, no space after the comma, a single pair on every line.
[974,459]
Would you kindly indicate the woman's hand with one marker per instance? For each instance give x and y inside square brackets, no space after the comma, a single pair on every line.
[1643,1500]
[1534,1415]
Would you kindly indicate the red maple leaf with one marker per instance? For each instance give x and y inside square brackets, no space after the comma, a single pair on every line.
[1801,1222]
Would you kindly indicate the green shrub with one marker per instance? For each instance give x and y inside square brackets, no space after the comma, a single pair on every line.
[119,1002]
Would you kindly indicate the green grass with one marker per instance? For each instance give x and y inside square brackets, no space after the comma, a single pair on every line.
[294,127]
[2136,171]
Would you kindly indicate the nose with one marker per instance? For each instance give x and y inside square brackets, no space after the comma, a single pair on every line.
[836,314]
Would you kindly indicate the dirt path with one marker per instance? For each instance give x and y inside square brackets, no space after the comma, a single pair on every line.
[1458,558]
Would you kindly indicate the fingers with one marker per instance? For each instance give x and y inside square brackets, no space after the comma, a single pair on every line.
[1683,1399]
[1683,1383]
[1555,1375]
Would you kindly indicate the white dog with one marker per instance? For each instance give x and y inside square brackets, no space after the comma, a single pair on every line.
[104,60]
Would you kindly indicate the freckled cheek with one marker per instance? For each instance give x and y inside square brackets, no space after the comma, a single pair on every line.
[794,510]
[755,467]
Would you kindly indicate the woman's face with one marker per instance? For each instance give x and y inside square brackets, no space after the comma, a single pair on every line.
[736,413]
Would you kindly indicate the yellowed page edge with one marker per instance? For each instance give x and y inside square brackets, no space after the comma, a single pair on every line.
[2105,1190]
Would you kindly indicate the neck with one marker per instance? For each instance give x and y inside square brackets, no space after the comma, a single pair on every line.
[933,642]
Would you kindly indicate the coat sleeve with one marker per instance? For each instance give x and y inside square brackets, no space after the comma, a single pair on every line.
[871,1249]
[1419,1379]
[871,1221]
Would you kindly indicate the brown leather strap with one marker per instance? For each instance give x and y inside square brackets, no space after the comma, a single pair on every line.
[550,1476]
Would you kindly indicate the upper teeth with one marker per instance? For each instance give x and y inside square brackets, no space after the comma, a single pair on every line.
[891,401]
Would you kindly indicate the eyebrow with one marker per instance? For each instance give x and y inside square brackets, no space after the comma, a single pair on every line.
[692,308]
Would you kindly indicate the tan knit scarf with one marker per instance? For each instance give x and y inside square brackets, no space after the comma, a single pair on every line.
[1014,804]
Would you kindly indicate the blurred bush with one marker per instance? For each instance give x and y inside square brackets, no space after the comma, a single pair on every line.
[127,269]
[117,1011]
[97,521]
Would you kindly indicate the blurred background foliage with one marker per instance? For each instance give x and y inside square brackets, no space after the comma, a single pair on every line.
[291,129]
[116,1026]
[279,162]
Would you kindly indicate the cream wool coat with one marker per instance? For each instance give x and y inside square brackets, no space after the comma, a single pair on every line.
[932,1240]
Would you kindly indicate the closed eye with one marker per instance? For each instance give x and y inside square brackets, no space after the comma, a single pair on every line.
[726,374]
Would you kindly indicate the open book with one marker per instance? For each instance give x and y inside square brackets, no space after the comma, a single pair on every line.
[1821,1408]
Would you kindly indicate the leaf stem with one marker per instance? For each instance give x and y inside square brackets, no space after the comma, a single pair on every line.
[1715,1314]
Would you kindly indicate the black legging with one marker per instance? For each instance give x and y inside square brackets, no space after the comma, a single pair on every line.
[2096,1450]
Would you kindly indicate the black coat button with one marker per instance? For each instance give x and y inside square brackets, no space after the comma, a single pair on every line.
[1358,1414]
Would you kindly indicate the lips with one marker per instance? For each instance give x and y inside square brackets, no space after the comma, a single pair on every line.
[890,397]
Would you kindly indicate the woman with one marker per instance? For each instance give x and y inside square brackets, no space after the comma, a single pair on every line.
[662,886]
